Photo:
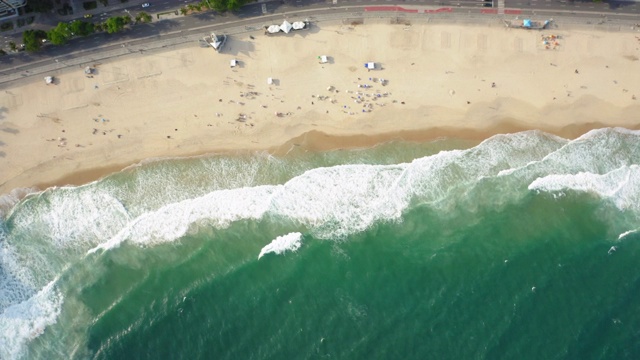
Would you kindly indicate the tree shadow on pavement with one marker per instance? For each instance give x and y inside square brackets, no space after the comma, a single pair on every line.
[613,5]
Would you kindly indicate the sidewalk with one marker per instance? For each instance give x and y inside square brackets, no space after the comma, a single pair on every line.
[46,21]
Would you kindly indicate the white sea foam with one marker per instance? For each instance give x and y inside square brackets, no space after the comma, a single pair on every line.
[70,218]
[621,186]
[217,209]
[340,200]
[8,201]
[23,322]
[624,234]
[17,282]
[288,242]
[337,201]
[598,151]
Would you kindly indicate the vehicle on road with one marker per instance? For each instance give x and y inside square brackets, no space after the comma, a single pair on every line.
[87,16]
[146,5]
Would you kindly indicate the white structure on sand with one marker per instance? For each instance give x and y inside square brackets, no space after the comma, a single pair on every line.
[286,27]
[216,41]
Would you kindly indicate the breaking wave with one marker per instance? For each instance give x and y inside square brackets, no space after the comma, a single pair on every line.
[281,244]
[45,233]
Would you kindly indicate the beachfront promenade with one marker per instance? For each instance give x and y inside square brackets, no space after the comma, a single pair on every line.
[181,37]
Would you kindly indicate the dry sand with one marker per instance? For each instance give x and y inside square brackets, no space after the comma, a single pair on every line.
[189,101]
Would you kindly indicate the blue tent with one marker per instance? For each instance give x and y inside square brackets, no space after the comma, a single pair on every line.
[526,23]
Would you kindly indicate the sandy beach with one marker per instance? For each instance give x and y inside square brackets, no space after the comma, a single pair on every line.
[439,80]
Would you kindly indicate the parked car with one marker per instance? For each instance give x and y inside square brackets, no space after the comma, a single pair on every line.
[146,5]
[86,16]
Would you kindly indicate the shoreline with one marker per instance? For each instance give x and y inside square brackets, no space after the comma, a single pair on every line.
[187,102]
[320,142]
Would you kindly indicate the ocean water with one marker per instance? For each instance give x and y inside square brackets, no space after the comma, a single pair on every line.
[523,246]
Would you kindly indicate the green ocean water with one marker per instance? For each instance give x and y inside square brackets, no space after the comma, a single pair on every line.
[524,246]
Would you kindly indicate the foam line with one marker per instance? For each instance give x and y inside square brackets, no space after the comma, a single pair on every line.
[621,186]
[281,244]
[336,201]
[27,320]
[624,234]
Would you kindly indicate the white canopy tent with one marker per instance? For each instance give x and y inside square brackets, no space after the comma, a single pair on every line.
[273,29]
[286,26]
[298,25]
[370,65]
[323,59]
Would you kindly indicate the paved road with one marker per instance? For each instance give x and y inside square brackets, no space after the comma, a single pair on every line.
[186,27]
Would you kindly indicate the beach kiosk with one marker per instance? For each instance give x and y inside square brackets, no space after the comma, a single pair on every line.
[233,63]
[528,24]
[216,41]
[48,80]
[269,81]
[370,66]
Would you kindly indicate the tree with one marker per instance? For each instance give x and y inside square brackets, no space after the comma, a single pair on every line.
[2,52]
[224,5]
[41,6]
[219,5]
[114,24]
[32,40]
[234,5]
[13,46]
[59,34]
[143,17]
[82,28]
[183,10]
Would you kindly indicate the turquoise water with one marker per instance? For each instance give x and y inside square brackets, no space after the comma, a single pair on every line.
[524,246]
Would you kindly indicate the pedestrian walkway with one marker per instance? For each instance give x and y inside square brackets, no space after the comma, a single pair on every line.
[46,21]
[500,7]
